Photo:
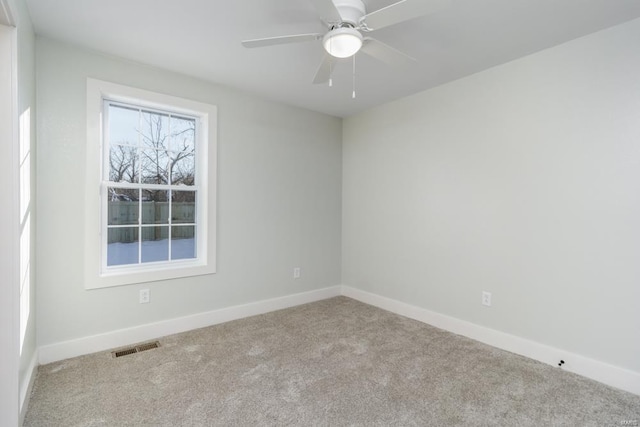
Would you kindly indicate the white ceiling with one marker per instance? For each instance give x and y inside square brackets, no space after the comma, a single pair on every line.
[202,38]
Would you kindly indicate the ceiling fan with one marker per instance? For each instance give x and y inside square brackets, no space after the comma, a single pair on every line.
[347,23]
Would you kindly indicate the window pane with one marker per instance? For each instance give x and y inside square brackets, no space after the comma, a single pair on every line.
[183,242]
[122,206]
[123,125]
[155,244]
[183,146]
[155,167]
[183,171]
[122,246]
[183,207]
[154,132]
[124,165]
[155,207]
[183,135]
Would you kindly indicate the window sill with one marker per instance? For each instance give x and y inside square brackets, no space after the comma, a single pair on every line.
[152,273]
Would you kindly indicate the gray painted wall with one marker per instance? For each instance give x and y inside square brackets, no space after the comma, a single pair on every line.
[279,205]
[523,180]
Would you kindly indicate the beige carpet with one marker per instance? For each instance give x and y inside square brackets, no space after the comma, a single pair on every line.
[334,362]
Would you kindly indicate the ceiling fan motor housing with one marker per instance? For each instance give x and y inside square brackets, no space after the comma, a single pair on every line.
[351,11]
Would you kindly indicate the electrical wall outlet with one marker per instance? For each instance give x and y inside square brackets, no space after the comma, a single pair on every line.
[144,296]
[486,298]
[296,273]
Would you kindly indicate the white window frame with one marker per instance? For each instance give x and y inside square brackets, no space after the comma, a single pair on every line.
[97,274]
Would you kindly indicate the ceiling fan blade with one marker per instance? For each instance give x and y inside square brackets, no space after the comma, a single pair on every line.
[400,12]
[327,11]
[325,69]
[271,41]
[385,53]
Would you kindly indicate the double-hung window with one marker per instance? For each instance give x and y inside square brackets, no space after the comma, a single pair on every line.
[150,186]
[156,186]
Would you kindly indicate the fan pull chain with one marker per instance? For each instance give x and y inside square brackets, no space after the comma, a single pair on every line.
[331,63]
[330,72]
[353,94]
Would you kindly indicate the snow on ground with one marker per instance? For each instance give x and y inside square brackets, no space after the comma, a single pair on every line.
[152,250]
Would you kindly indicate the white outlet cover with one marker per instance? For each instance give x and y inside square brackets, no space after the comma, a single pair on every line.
[144,296]
[486,298]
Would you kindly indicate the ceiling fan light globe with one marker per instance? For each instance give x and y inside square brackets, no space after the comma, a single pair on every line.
[342,42]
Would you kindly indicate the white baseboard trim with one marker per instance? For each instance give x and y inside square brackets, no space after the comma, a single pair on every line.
[26,384]
[603,372]
[119,338]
